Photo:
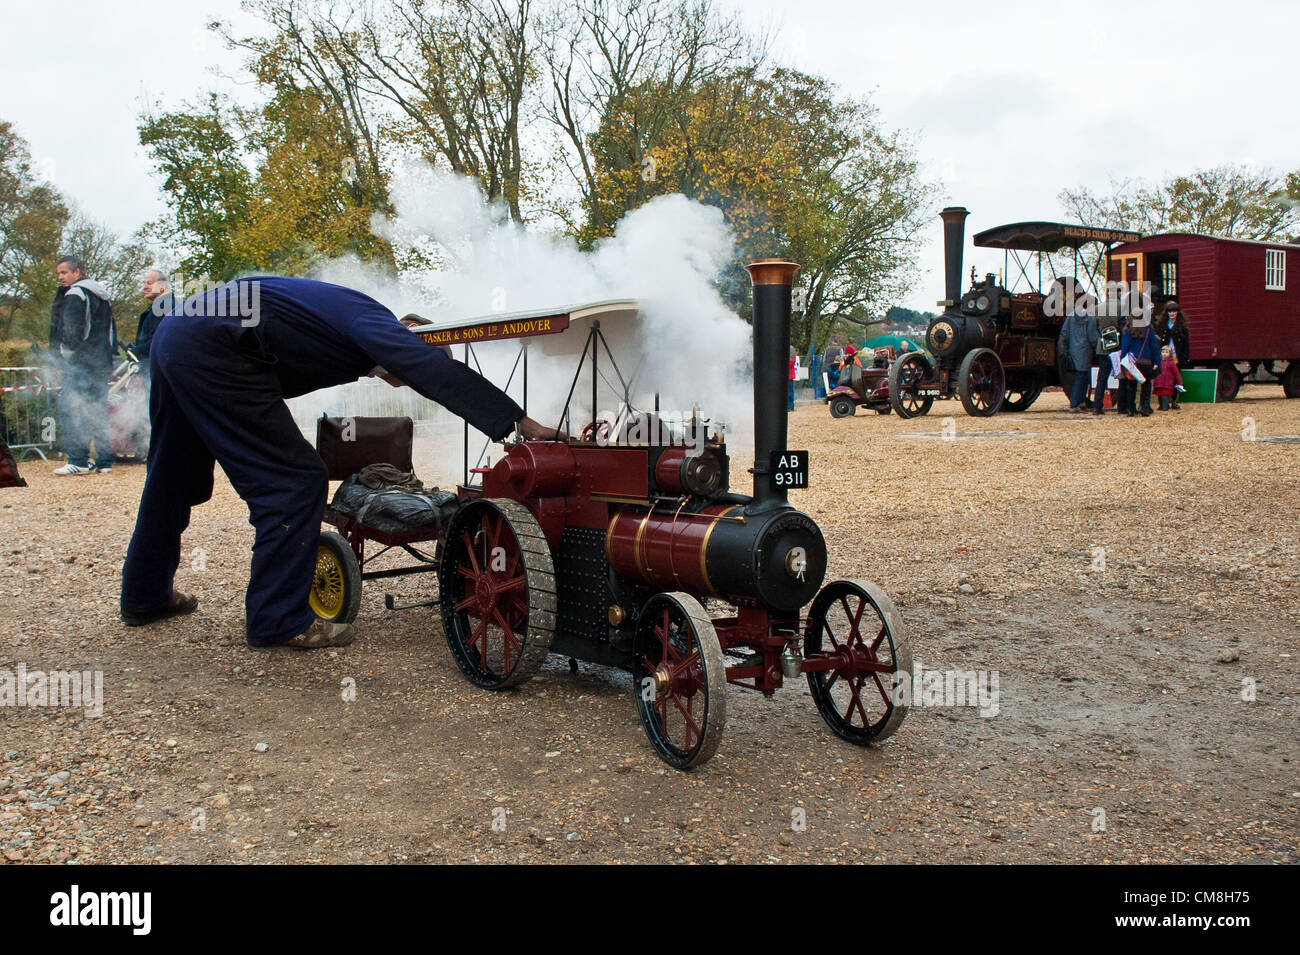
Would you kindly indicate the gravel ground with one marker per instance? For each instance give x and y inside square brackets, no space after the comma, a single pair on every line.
[1128,580]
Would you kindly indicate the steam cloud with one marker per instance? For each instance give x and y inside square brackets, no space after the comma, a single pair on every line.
[690,348]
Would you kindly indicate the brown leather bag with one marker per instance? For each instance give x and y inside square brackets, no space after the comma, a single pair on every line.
[347,445]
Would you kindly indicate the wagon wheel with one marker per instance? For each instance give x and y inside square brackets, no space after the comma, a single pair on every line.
[865,635]
[1229,382]
[336,587]
[843,407]
[981,383]
[1021,394]
[1291,379]
[905,376]
[679,680]
[497,585]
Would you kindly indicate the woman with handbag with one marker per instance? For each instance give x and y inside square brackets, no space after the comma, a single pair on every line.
[1141,350]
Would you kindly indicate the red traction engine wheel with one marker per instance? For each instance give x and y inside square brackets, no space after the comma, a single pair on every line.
[855,652]
[679,679]
[497,586]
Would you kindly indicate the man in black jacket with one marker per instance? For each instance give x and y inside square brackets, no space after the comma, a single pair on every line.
[83,338]
[157,289]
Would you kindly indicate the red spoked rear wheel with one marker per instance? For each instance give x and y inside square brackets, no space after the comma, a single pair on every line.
[497,586]
[679,680]
[854,624]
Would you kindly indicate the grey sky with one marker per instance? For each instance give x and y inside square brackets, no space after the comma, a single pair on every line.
[1009,102]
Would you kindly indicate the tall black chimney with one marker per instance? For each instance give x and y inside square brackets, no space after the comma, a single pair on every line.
[954,238]
[772,279]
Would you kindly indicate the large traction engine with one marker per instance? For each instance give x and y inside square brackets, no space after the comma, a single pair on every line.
[603,552]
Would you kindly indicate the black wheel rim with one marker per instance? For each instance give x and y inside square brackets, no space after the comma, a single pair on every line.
[669,682]
[910,375]
[857,699]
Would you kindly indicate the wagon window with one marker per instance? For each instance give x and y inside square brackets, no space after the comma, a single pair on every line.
[1169,279]
[1275,270]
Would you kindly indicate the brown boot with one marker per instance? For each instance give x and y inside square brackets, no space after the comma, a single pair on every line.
[179,604]
[322,633]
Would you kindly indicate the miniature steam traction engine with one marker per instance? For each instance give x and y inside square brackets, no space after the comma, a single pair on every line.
[602,549]
[994,347]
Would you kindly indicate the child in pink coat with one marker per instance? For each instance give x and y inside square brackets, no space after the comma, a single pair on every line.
[1169,379]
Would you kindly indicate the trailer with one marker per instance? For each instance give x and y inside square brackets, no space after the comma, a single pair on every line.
[1241,299]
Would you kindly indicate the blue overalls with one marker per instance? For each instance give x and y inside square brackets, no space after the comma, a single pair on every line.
[222,364]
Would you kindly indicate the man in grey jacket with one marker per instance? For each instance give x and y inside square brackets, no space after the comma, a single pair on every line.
[1079,335]
[83,337]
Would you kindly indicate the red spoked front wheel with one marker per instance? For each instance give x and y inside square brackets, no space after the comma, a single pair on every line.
[853,625]
[679,680]
[497,586]
[981,383]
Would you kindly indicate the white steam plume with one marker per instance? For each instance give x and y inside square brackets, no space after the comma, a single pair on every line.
[667,254]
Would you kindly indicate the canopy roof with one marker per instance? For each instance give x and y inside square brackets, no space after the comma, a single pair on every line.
[525,324]
[1048,236]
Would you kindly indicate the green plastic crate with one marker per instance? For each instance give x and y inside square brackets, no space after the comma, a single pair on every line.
[1201,385]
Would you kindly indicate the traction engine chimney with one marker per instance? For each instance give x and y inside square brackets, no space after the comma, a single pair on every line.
[772,279]
[954,239]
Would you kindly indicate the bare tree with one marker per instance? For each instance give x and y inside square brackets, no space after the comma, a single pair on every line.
[1233,202]
[445,78]
[600,53]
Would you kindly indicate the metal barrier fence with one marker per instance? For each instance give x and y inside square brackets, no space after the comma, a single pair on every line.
[29,409]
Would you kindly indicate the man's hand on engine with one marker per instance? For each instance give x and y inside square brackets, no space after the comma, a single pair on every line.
[532,431]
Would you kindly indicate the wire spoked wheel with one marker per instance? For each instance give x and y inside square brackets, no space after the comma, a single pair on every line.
[497,587]
[981,383]
[855,624]
[679,680]
[336,586]
[906,375]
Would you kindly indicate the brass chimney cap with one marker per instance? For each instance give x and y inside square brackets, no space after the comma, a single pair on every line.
[772,271]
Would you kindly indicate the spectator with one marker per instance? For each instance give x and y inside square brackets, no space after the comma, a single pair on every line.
[1107,364]
[1173,332]
[831,360]
[1139,343]
[1169,380]
[1135,306]
[1079,336]
[833,351]
[794,364]
[157,289]
[83,336]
